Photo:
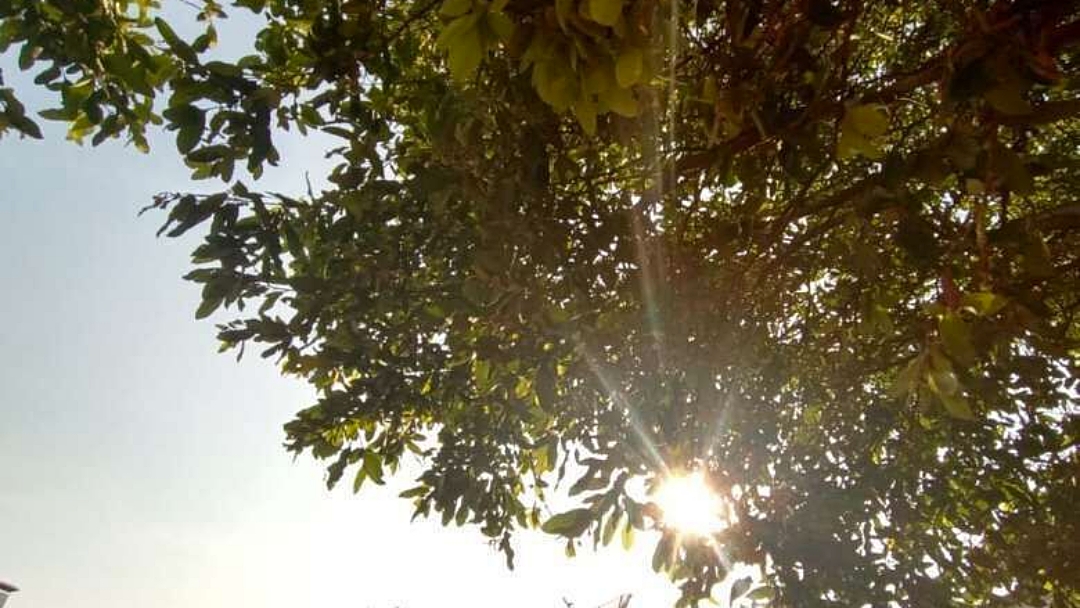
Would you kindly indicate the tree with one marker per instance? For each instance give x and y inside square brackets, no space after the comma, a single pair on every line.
[827,254]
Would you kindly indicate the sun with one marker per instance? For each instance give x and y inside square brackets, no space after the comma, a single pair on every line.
[689,505]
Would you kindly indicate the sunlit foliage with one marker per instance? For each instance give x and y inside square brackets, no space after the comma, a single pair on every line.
[826,253]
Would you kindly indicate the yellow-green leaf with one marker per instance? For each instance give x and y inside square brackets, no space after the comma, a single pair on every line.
[957,406]
[984,303]
[861,126]
[628,536]
[605,12]
[554,85]
[456,28]
[620,100]
[907,380]
[943,381]
[523,388]
[870,120]
[481,371]
[585,111]
[455,8]
[598,78]
[628,67]
[501,25]
[465,54]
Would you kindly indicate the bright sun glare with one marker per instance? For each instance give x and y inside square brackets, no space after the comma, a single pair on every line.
[690,506]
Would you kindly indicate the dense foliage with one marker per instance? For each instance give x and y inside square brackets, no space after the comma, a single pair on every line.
[827,253]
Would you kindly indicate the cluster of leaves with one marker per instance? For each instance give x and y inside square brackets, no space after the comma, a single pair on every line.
[825,253]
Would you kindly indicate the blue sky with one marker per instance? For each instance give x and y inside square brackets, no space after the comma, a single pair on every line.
[139,467]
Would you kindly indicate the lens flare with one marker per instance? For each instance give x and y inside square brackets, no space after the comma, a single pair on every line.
[690,506]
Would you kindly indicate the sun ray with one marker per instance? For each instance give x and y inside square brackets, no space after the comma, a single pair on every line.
[623,403]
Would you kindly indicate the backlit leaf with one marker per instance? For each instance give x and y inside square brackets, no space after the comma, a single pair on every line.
[455,8]
[570,524]
[605,12]
[628,66]
[466,51]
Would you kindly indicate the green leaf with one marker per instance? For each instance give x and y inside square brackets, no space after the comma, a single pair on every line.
[570,524]
[628,536]
[456,28]
[956,337]
[57,114]
[208,305]
[187,138]
[415,492]
[15,113]
[26,126]
[523,388]
[210,153]
[178,46]
[225,70]
[860,128]
[466,51]
[619,100]
[373,466]
[28,55]
[942,379]
[191,122]
[610,526]
[663,555]
[870,120]
[908,379]
[629,66]
[501,25]
[957,406]
[481,372]
[585,111]
[358,479]
[984,303]
[554,85]
[92,109]
[455,8]
[599,78]
[541,461]
[605,12]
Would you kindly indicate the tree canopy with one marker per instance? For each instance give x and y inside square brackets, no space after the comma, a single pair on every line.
[824,252]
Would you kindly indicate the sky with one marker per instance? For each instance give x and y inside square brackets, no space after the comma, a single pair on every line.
[140,467]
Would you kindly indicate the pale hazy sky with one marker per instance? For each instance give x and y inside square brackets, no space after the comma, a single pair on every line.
[140,468]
